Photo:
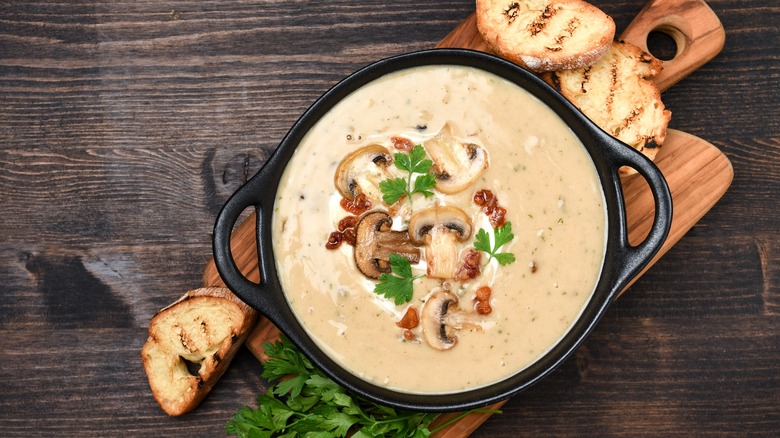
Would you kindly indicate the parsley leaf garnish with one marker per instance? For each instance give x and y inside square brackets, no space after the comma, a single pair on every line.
[399,284]
[502,235]
[413,163]
[392,189]
[318,406]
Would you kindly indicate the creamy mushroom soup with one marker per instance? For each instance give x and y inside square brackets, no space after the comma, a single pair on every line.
[439,230]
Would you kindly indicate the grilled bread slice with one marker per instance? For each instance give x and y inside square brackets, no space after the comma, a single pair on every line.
[545,35]
[190,344]
[616,94]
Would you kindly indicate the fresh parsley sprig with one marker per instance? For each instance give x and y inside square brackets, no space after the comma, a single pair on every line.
[413,163]
[315,405]
[501,236]
[399,284]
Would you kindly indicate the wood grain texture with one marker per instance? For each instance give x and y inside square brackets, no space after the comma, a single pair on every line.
[125,125]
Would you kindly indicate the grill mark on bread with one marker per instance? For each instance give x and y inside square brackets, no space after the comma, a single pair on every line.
[630,118]
[565,34]
[585,80]
[571,27]
[184,339]
[511,12]
[555,80]
[540,22]
[613,70]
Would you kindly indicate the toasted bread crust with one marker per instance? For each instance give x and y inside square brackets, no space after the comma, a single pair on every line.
[617,94]
[545,35]
[203,328]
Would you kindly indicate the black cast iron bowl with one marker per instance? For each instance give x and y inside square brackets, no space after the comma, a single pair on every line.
[622,260]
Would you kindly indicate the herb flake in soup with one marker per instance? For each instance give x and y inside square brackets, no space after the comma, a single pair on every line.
[439,230]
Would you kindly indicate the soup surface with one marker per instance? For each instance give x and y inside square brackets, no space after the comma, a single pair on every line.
[484,311]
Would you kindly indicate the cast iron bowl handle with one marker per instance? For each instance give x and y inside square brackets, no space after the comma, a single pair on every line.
[259,193]
[631,259]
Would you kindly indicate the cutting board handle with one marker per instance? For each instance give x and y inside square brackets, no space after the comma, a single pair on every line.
[695,28]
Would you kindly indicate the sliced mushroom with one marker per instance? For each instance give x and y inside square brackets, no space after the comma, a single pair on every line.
[457,164]
[440,228]
[361,172]
[442,319]
[375,241]
[435,330]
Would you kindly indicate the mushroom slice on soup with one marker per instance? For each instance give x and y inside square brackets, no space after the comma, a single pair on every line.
[375,241]
[457,164]
[361,172]
[442,318]
[440,229]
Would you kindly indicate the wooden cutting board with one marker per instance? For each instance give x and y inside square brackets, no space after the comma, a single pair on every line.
[697,172]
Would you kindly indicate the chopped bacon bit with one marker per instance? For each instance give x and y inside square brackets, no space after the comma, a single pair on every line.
[497,217]
[334,240]
[356,206]
[470,266]
[484,198]
[410,319]
[409,335]
[482,300]
[483,293]
[402,143]
[346,232]
[495,213]
[350,236]
[348,222]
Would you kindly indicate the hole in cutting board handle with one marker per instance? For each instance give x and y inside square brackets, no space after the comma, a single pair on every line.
[662,43]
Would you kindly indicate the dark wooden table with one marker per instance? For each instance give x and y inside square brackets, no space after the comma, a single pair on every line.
[125,125]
